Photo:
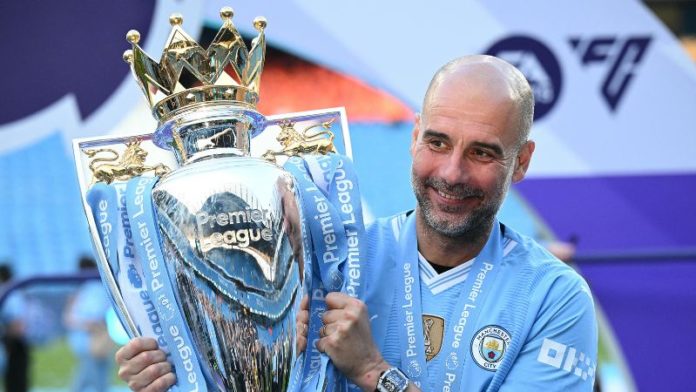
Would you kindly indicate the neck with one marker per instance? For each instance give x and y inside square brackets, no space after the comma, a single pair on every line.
[449,251]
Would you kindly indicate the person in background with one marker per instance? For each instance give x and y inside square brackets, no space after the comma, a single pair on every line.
[17,350]
[85,320]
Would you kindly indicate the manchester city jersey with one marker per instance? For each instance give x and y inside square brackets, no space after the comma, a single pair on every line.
[535,328]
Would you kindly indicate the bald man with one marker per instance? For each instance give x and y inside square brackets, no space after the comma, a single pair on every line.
[455,300]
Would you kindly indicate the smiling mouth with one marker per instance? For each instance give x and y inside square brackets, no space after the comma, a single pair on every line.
[449,196]
[453,195]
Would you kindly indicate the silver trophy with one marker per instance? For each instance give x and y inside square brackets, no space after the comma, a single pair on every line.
[200,244]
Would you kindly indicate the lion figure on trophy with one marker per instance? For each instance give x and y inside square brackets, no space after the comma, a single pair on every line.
[295,143]
[110,168]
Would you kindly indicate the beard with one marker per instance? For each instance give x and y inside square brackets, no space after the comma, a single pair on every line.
[467,227]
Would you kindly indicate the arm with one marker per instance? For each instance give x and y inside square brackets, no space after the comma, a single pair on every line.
[561,350]
[347,339]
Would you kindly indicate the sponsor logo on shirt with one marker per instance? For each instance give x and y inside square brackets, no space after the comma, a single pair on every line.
[567,358]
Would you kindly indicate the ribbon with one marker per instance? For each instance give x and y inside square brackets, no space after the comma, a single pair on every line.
[331,205]
[146,241]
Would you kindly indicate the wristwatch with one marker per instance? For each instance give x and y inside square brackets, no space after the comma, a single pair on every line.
[392,380]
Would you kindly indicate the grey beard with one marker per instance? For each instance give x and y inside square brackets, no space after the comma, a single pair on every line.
[471,228]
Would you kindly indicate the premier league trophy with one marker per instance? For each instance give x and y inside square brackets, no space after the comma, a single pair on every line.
[201,245]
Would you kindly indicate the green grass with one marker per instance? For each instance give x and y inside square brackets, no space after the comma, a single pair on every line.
[52,366]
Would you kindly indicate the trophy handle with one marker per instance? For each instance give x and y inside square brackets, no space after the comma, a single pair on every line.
[107,159]
[105,271]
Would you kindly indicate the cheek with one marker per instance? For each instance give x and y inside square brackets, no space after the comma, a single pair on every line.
[490,178]
[422,164]
[503,180]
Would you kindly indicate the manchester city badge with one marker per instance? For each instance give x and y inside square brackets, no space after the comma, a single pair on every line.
[489,345]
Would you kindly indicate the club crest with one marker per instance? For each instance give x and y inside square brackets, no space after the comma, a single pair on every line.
[433,332]
[489,345]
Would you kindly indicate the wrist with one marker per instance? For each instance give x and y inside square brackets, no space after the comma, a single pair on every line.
[368,380]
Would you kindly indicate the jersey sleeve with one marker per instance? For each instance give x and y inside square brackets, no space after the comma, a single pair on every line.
[560,353]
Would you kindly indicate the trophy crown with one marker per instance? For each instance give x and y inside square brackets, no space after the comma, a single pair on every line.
[188,75]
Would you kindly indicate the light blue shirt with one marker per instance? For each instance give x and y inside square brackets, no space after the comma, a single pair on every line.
[536,329]
[90,305]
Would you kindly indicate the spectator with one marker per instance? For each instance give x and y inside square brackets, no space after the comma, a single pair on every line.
[16,375]
[85,319]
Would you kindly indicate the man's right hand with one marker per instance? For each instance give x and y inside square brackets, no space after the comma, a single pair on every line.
[144,367]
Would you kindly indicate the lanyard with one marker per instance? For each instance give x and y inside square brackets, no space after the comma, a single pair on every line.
[464,315]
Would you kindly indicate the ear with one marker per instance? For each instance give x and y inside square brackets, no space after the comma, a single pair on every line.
[524,157]
[415,133]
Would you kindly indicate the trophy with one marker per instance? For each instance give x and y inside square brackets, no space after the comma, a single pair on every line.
[200,244]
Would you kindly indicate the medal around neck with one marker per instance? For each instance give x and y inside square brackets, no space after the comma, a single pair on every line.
[198,231]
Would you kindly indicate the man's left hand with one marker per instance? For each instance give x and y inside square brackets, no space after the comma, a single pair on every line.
[346,338]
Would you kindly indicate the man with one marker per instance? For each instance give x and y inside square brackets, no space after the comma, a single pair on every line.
[454,299]
[85,322]
[17,351]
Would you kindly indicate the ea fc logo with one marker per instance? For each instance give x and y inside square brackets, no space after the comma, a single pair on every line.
[538,64]
[489,345]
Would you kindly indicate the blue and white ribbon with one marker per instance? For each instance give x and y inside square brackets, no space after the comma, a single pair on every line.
[332,209]
[146,240]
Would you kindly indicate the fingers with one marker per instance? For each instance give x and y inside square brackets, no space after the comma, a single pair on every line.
[135,347]
[144,367]
[330,336]
[350,310]
[321,345]
[327,342]
[301,343]
[137,364]
[161,384]
[322,331]
[333,316]
[157,377]
[302,330]
[336,300]
[304,305]
[302,316]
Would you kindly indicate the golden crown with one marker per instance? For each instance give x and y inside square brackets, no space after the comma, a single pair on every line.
[188,75]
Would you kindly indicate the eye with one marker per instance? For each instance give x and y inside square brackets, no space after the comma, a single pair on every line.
[481,155]
[436,144]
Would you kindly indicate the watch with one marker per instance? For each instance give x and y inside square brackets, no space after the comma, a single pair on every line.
[392,380]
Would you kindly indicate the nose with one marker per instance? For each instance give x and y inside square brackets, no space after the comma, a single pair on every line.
[454,169]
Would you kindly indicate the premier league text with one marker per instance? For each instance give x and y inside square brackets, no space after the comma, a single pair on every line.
[227,231]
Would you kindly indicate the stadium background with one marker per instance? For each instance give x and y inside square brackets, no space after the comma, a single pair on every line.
[616,163]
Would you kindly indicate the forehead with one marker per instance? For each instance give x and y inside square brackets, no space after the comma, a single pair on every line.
[471,104]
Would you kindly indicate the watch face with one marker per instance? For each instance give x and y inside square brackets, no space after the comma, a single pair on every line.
[390,384]
[393,380]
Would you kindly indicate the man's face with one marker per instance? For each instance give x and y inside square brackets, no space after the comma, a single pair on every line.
[465,155]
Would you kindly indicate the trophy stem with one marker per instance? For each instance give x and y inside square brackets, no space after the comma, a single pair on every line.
[205,131]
